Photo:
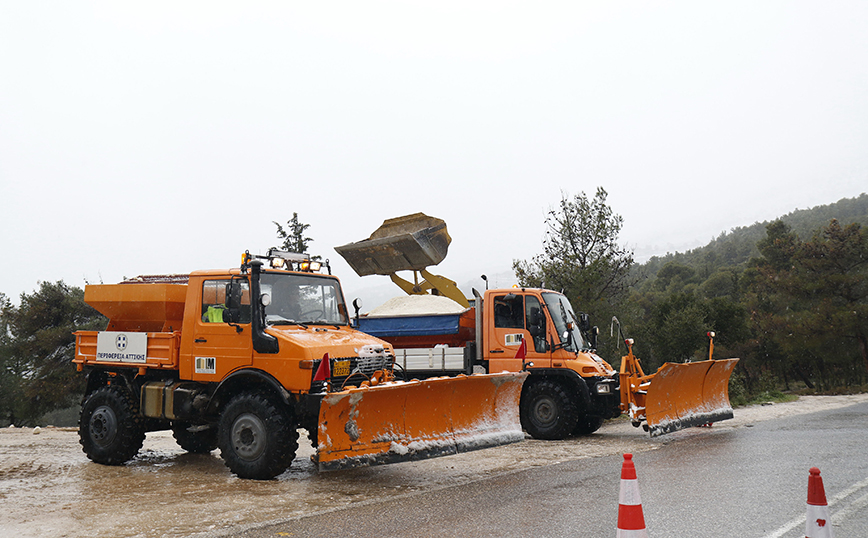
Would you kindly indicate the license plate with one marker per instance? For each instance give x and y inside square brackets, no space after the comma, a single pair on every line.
[341,369]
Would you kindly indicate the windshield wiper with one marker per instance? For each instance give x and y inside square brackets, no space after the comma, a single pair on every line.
[324,322]
[288,322]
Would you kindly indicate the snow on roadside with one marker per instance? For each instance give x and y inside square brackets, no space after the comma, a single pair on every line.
[805,404]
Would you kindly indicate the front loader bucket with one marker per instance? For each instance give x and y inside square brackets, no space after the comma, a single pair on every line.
[405,421]
[408,243]
[692,394]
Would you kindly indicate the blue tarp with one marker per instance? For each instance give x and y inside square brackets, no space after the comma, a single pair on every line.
[410,325]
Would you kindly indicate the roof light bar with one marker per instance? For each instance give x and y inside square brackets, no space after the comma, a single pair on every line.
[281,259]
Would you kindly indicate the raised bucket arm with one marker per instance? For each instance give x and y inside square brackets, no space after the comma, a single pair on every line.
[409,243]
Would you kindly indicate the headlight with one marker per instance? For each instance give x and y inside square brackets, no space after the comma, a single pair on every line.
[604,388]
[310,267]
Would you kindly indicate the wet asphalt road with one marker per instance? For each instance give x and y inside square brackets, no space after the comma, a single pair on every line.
[749,481]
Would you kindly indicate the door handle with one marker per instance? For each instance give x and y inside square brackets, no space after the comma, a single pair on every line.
[495,351]
[200,340]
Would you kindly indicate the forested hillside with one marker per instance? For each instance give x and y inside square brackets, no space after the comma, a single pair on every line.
[737,246]
[789,297]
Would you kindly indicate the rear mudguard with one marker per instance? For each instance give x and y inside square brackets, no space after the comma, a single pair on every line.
[693,394]
[404,421]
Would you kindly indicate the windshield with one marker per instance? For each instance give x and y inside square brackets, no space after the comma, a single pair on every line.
[303,299]
[562,314]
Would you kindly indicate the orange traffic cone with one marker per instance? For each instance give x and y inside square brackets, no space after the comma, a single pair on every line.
[631,521]
[818,523]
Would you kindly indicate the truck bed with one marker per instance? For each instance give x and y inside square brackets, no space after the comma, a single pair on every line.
[161,352]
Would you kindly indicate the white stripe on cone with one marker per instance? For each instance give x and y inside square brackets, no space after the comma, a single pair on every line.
[630,493]
[819,524]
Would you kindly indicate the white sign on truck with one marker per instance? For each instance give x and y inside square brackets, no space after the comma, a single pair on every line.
[114,346]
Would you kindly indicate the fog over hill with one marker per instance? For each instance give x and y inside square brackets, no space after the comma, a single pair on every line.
[739,244]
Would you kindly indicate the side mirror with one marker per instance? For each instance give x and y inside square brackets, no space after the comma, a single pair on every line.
[233,294]
[357,306]
[584,322]
[232,314]
[567,338]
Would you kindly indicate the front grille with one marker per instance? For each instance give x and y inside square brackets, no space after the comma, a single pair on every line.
[606,405]
[360,369]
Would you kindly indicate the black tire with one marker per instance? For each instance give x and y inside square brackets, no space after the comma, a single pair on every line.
[587,425]
[547,410]
[195,442]
[110,429]
[312,435]
[257,437]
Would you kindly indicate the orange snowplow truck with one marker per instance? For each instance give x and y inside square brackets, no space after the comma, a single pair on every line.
[241,359]
[569,389]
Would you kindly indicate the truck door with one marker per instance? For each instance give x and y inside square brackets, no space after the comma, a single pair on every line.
[218,346]
[515,318]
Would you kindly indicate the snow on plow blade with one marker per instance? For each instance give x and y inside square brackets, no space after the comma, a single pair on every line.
[692,394]
[414,420]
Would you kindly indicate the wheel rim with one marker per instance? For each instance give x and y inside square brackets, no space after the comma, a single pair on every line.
[103,425]
[545,412]
[248,436]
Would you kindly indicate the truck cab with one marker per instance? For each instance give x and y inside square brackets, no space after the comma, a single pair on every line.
[302,316]
[553,335]
[570,388]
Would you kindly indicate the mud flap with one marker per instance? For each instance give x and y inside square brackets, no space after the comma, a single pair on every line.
[691,394]
[405,421]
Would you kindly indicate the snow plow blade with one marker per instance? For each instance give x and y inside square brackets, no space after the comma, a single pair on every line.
[685,395]
[414,420]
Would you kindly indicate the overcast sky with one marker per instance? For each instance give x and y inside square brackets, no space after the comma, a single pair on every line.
[164,137]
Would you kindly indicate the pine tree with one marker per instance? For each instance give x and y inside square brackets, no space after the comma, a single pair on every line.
[293,239]
[581,256]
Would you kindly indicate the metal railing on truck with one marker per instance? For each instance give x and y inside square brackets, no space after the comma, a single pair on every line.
[437,359]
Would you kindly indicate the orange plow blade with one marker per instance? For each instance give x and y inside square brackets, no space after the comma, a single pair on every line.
[692,394]
[405,421]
